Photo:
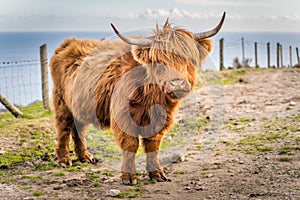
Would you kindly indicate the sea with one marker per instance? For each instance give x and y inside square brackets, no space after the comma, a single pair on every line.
[20,79]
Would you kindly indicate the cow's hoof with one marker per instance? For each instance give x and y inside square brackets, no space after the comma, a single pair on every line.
[129,178]
[159,176]
[88,157]
[64,164]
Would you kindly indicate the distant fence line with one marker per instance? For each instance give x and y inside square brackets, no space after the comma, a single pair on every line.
[25,81]
[266,47]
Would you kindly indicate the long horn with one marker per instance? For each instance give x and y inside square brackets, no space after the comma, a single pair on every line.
[133,41]
[207,34]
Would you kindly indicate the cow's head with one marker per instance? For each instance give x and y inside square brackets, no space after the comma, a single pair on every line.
[172,56]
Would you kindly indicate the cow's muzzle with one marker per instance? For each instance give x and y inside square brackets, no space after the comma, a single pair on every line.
[178,88]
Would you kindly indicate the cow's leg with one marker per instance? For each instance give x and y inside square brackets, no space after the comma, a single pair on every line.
[151,147]
[64,125]
[81,151]
[129,145]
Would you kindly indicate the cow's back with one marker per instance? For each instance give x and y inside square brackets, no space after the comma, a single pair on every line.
[65,64]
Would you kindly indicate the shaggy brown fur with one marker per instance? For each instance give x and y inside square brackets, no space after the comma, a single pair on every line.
[126,88]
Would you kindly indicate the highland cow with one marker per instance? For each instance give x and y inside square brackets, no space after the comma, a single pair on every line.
[132,86]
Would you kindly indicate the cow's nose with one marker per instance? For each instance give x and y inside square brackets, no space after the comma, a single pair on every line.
[178,84]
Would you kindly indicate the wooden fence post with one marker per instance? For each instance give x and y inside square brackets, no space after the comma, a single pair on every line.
[221,54]
[268,52]
[291,58]
[44,71]
[10,107]
[281,57]
[297,54]
[277,54]
[255,54]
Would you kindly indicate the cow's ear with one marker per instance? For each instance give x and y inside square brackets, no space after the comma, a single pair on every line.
[205,48]
[140,54]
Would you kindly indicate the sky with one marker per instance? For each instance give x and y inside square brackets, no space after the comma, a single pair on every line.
[127,15]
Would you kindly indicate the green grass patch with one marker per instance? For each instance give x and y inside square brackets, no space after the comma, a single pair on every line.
[122,195]
[199,147]
[94,176]
[260,142]
[59,174]
[32,177]
[9,158]
[96,184]
[59,187]
[285,150]
[225,77]
[46,165]
[252,140]
[285,159]
[108,173]
[153,181]
[72,169]
[288,149]
[26,187]
[37,193]
[274,136]
[28,134]
[179,172]
[131,193]
[265,148]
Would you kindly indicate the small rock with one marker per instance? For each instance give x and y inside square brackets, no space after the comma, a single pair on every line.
[292,103]
[114,192]
[198,188]
[209,175]
[89,138]
[169,138]
[187,188]
[241,162]
[2,152]
[176,158]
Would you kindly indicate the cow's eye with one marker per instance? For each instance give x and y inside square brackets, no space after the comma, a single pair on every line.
[194,61]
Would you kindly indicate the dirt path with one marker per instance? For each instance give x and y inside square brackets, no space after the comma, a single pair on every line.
[248,148]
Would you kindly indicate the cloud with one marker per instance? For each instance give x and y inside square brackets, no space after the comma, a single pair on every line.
[232,3]
[175,13]
[273,18]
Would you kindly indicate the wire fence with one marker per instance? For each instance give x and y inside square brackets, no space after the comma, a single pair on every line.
[245,49]
[20,81]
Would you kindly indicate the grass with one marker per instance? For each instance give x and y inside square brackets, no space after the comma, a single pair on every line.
[285,159]
[37,193]
[265,148]
[225,77]
[179,172]
[132,193]
[260,142]
[288,149]
[32,177]
[96,184]
[274,134]
[34,141]
[205,169]
[59,174]
[72,169]
[199,147]
[108,173]
[238,125]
